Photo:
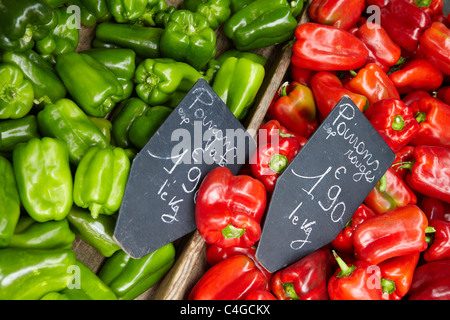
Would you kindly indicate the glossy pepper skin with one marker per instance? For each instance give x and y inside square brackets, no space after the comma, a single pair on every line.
[64,38]
[294,106]
[326,48]
[100,180]
[15,131]
[10,202]
[390,193]
[23,22]
[230,279]
[335,13]
[237,82]
[91,85]
[188,38]
[270,160]
[128,277]
[16,92]
[215,11]
[394,121]
[435,209]
[397,275]
[439,248]
[429,173]
[351,282]
[96,232]
[344,240]
[47,85]
[432,115]
[145,41]
[65,121]
[164,81]
[29,274]
[261,24]
[417,74]
[152,8]
[273,129]
[384,236]
[92,11]
[434,44]
[44,163]
[404,23]
[431,281]
[126,11]
[30,234]
[328,90]
[373,83]
[229,208]
[305,279]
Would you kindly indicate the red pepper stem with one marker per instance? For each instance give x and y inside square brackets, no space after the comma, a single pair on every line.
[231,231]
[345,269]
[421,117]
[283,89]
[399,123]
[404,165]
[382,184]
[422,3]
[285,135]
[278,163]
[388,286]
[289,290]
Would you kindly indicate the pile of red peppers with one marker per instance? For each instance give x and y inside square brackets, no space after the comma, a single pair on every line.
[393,61]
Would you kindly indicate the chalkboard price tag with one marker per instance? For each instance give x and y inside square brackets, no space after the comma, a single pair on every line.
[158,206]
[323,186]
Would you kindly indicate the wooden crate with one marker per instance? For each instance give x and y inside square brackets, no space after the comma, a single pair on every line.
[190,261]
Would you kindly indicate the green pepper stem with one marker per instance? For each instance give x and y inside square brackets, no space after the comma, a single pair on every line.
[345,269]
[399,123]
[285,135]
[278,163]
[382,184]
[290,291]
[231,231]
[388,286]
[95,209]
[404,165]
[421,117]
[422,3]
[283,89]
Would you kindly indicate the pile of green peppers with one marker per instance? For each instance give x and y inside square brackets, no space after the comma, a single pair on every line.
[72,121]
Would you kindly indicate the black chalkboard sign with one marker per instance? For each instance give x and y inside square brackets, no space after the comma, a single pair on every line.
[323,186]
[200,134]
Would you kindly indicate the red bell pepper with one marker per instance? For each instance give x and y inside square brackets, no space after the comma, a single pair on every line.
[431,281]
[270,160]
[344,240]
[394,121]
[415,96]
[358,281]
[405,154]
[431,7]
[301,75]
[373,83]
[397,275]
[433,117]
[259,295]
[390,193]
[229,208]
[430,172]
[394,233]
[382,50]
[378,3]
[328,91]
[326,48]
[443,93]
[336,13]
[435,46]
[305,279]
[417,74]
[435,209]
[294,107]
[273,128]
[230,279]
[404,22]
[439,249]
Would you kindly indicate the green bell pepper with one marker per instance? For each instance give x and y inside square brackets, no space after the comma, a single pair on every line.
[30,234]
[215,11]
[96,232]
[145,126]
[188,38]
[127,11]
[54,3]
[145,41]
[16,92]
[242,54]
[24,21]
[15,131]
[65,121]
[104,125]
[128,277]
[100,180]
[29,274]
[162,17]
[92,11]
[43,177]
[261,24]
[9,202]
[237,83]
[164,81]
[92,86]
[121,62]
[64,38]
[151,10]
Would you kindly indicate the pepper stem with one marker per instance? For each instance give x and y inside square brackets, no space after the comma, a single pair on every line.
[382,184]
[283,89]
[399,123]
[231,231]
[388,286]
[404,165]
[95,209]
[290,291]
[278,163]
[421,117]
[422,3]
[345,269]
